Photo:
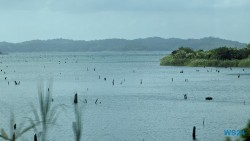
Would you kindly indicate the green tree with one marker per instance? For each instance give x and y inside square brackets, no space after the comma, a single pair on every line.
[186,49]
[222,53]
[183,52]
[248,45]
[180,54]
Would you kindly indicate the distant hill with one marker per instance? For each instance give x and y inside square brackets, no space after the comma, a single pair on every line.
[146,44]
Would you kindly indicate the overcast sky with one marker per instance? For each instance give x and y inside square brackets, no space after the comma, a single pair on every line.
[22,20]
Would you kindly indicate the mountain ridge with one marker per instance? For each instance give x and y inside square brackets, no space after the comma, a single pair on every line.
[117,44]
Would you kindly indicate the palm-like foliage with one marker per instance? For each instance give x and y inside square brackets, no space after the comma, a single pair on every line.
[16,131]
[48,112]
[45,116]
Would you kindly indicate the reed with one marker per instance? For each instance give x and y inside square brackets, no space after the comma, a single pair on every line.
[15,130]
[77,124]
[47,113]
[44,117]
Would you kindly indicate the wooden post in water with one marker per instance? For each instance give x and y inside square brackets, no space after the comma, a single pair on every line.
[194,133]
[35,137]
[185,96]
[13,137]
[75,99]
[96,101]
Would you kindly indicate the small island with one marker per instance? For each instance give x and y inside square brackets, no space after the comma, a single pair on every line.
[219,57]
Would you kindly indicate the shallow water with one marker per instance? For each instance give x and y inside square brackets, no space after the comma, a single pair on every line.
[129,111]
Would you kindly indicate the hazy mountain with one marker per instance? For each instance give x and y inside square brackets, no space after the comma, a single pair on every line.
[146,44]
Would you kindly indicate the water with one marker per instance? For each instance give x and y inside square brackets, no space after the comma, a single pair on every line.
[129,111]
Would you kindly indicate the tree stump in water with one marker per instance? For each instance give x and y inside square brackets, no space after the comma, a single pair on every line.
[209,98]
[194,133]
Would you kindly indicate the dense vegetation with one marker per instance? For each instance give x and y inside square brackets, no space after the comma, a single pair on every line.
[219,57]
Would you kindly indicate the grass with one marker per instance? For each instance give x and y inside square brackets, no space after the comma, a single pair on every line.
[244,63]
[170,61]
[213,63]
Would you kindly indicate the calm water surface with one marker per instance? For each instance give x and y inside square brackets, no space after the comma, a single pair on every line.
[129,111]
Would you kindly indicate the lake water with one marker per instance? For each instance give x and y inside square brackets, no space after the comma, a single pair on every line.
[129,111]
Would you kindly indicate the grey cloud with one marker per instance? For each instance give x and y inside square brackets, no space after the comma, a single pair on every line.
[120,5]
[99,19]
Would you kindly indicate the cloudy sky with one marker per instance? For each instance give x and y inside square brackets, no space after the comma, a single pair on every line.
[22,20]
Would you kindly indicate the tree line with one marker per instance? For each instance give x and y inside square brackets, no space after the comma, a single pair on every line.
[221,53]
